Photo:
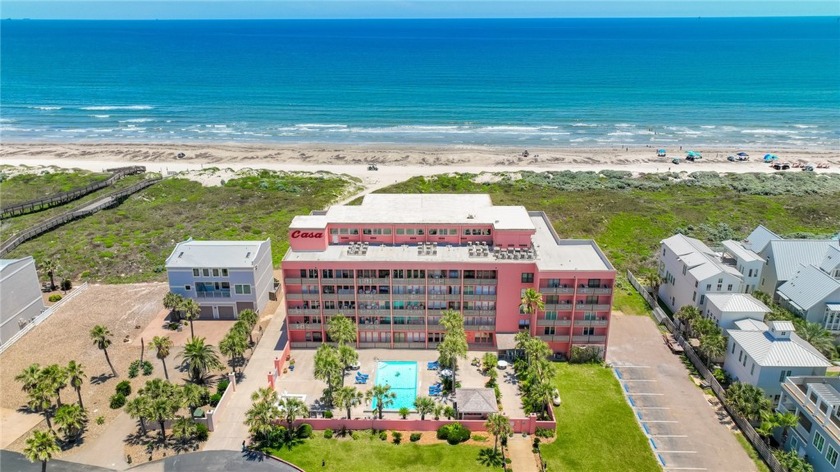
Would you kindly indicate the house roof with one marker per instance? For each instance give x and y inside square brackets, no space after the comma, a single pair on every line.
[701,260]
[809,286]
[831,260]
[476,400]
[222,254]
[736,302]
[739,251]
[768,351]
[8,262]
[787,254]
[749,324]
[758,239]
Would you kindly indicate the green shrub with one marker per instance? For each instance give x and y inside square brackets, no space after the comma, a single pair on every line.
[117,401]
[544,432]
[222,385]
[404,411]
[397,437]
[453,433]
[54,298]
[148,368]
[354,435]
[201,432]
[328,414]
[133,369]
[304,431]
[383,435]
[100,420]
[328,433]
[478,437]
[215,399]
[66,284]
[415,437]
[584,355]
[124,388]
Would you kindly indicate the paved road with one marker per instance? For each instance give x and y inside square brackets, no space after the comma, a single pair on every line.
[216,461]
[16,462]
[107,449]
[229,429]
[674,413]
[520,452]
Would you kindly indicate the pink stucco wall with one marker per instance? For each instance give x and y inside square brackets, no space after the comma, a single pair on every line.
[520,425]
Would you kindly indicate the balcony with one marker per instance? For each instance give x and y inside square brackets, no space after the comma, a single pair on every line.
[374,296]
[589,339]
[554,322]
[373,281]
[347,281]
[303,311]
[558,290]
[828,422]
[296,280]
[479,328]
[303,296]
[483,298]
[214,294]
[400,281]
[483,281]
[588,307]
[375,345]
[410,312]
[374,327]
[437,296]
[554,338]
[410,327]
[306,326]
[410,297]
[595,291]
[443,281]
[590,322]
[305,344]
[375,311]
[558,307]
[333,311]
[478,312]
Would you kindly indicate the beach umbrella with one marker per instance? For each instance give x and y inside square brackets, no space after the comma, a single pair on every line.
[743,154]
[660,152]
[770,157]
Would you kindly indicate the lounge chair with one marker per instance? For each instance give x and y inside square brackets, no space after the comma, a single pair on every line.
[361,380]
[434,365]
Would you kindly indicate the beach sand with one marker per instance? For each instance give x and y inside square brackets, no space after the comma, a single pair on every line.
[395,162]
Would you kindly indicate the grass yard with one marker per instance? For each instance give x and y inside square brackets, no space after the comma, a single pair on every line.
[130,243]
[371,454]
[25,186]
[596,430]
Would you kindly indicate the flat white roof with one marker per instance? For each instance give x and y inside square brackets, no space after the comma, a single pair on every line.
[222,254]
[383,208]
[739,251]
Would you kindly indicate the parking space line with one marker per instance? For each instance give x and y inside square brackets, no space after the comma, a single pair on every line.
[685,468]
[653,408]
[638,380]
[668,436]
[653,394]
[660,421]
[676,452]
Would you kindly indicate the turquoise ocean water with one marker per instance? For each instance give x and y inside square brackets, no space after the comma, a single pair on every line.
[569,82]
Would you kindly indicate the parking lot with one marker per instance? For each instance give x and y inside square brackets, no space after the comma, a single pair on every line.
[683,428]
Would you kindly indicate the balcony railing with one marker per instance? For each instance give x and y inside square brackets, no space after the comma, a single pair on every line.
[558,307]
[478,312]
[410,296]
[588,307]
[303,296]
[375,345]
[826,421]
[401,281]
[374,327]
[296,280]
[374,296]
[590,322]
[554,338]
[374,280]
[482,281]
[409,327]
[334,281]
[215,294]
[370,311]
[595,290]
[486,298]
[553,290]
[306,326]
[304,311]
[410,312]
[437,296]
[479,328]
[305,344]
[554,322]
[588,339]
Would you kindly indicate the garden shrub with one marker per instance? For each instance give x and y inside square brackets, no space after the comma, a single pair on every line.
[133,369]
[54,298]
[201,432]
[328,433]
[66,284]
[222,385]
[415,437]
[215,399]
[117,401]
[354,435]
[453,433]
[328,414]
[544,432]
[148,368]
[478,437]
[383,435]
[404,411]
[304,431]
[397,437]
[584,355]
[124,388]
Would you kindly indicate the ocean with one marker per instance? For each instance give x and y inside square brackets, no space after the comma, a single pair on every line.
[543,82]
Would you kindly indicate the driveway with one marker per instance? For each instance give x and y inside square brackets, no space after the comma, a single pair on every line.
[682,426]
[216,461]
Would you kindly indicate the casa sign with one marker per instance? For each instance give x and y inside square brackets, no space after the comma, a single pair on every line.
[306,235]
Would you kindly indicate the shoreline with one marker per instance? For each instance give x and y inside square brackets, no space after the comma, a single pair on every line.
[395,162]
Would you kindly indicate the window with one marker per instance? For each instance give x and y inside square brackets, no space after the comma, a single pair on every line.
[729,288]
[333,230]
[696,283]
[549,331]
[733,348]
[215,272]
[367,232]
[752,370]
[702,299]
[205,272]
[527,277]
[819,441]
[588,331]
[684,268]
[187,288]
[708,287]
[242,289]
[786,373]
[224,272]
[400,231]
[195,272]
[740,355]
[831,456]
[694,297]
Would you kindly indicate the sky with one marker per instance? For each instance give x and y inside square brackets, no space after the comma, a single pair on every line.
[336,9]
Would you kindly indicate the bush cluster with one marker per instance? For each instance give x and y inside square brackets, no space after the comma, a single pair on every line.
[54,298]
[383,435]
[415,437]
[397,437]
[328,433]
[117,401]
[201,432]
[124,388]
[222,386]
[544,432]
[215,399]
[304,431]
[453,433]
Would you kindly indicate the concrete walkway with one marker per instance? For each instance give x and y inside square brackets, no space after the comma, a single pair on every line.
[107,450]
[230,430]
[521,454]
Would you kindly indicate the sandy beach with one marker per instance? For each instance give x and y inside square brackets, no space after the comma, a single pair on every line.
[394,162]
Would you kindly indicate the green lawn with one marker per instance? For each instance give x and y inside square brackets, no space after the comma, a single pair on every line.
[371,454]
[25,187]
[596,430]
[130,243]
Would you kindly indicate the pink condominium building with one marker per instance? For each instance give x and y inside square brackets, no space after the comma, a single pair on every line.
[393,263]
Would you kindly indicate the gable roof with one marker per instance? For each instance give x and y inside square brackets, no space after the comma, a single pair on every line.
[768,351]
[749,324]
[738,250]
[476,400]
[701,261]
[808,287]
[831,260]
[787,254]
[758,239]
[222,254]
[736,302]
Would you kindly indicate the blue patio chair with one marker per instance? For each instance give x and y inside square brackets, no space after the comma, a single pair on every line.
[362,380]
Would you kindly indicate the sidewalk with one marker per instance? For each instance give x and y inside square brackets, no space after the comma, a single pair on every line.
[230,429]
[521,454]
[107,450]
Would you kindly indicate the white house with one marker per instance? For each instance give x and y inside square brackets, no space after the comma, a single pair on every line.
[816,403]
[690,270]
[765,358]
[224,277]
[814,293]
[783,257]
[20,295]
[726,308]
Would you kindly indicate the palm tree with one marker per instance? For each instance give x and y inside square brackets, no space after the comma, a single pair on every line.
[540,395]
[712,346]
[531,301]
[194,396]
[292,408]
[30,377]
[328,368]
[55,377]
[654,281]
[41,446]
[138,407]
[786,420]
[101,337]
[454,344]
[199,359]
[162,346]
[819,337]
[262,414]
[347,356]
[489,361]
[382,395]
[748,400]
[250,318]
[341,329]
[70,420]
[50,266]
[703,326]
[184,429]
[233,346]
[41,399]
[163,402]
[172,301]
[265,394]
[424,406]
[76,377]
[686,315]
[191,312]
[499,426]
[348,397]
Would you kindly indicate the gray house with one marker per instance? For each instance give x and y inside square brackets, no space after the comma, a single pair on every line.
[20,295]
[816,403]
[814,294]
[224,277]
[783,257]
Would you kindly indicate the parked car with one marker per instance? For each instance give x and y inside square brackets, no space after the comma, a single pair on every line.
[675,161]
[781,166]
[808,168]
[373,167]
[731,158]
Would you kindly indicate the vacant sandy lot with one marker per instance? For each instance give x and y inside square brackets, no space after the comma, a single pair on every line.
[124,309]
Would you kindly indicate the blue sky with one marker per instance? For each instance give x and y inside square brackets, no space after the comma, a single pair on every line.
[261,9]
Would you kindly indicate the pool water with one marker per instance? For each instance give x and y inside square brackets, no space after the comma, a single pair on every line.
[402,377]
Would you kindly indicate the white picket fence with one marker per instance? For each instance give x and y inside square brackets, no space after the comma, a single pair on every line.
[43,316]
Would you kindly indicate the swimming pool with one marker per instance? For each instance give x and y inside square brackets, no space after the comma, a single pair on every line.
[402,377]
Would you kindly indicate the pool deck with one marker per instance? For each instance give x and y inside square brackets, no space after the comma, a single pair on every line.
[301,380]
